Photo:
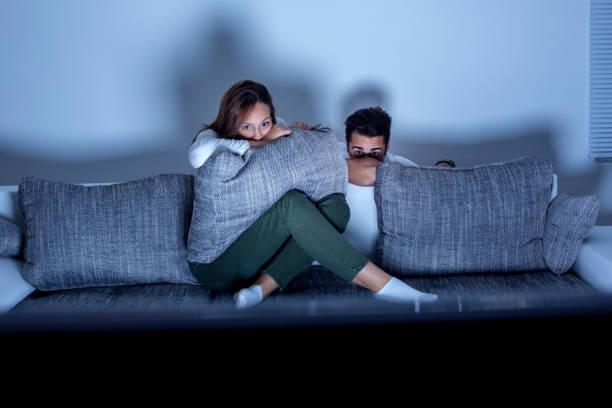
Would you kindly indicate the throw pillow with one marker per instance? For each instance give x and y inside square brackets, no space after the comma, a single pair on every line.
[119,234]
[569,218]
[11,238]
[232,191]
[486,218]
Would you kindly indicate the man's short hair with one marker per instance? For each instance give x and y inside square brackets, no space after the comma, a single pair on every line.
[369,122]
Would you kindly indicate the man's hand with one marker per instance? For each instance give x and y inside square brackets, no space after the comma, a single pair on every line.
[277,131]
[301,125]
[362,170]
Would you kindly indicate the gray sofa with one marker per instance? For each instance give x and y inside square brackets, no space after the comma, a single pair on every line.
[170,301]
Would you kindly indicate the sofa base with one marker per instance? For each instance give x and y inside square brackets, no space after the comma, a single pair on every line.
[315,299]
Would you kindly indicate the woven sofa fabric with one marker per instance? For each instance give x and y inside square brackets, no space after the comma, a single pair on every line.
[119,234]
[127,298]
[486,218]
[232,191]
[11,238]
[569,219]
[471,291]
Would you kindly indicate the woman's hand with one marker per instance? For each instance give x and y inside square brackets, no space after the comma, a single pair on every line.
[274,133]
[300,125]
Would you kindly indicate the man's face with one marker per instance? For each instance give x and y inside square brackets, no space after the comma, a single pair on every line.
[364,146]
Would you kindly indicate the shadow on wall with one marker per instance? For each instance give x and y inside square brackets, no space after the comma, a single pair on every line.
[218,57]
[366,95]
[128,168]
[234,56]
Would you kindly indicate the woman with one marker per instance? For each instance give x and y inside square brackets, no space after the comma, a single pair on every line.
[295,231]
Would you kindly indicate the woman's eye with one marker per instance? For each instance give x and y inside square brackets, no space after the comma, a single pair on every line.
[266,123]
[246,127]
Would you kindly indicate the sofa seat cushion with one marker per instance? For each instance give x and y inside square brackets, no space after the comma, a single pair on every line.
[320,296]
[150,297]
[318,292]
[318,280]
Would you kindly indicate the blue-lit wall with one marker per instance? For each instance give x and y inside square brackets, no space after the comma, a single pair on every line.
[115,90]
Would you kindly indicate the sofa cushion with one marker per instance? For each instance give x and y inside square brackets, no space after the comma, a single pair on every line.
[486,218]
[11,238]
[157,297]
[232,191]
[119,234]
[569,218]
[318,292]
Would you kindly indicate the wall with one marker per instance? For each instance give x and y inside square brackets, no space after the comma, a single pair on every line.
[96,91]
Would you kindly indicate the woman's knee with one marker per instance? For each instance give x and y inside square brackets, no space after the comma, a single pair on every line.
[294,197]
[333,207]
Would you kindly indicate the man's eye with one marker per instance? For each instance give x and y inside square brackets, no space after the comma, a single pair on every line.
[374,154]
[358,153]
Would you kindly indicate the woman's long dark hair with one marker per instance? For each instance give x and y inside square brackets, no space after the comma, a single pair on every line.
[236,102]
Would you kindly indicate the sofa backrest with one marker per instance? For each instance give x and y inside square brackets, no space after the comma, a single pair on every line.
[9,206]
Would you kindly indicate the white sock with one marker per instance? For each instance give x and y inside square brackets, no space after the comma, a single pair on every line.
[397,291]
[248,297]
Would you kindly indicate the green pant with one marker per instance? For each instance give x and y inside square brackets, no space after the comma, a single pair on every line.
[284,242]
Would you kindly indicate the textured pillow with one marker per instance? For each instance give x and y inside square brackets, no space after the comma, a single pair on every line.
[11,238]
[569,218]
[232,191]
[487,218]
[119,234]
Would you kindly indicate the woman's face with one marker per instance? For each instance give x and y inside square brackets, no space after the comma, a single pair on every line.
[256,123]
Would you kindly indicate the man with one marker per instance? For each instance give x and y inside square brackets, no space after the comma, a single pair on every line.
[367,134]
[367,143]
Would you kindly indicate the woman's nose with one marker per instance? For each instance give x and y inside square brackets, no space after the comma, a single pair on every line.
[259,134]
